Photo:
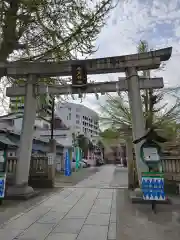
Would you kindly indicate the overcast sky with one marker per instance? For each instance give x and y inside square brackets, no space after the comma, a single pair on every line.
[156,21]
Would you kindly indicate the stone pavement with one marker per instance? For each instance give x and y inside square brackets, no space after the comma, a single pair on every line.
[11,208]
[86,211]
[99,180]
[138,222]
[120,178]
[96,208]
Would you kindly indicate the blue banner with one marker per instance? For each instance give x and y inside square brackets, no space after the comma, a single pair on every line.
[2,186]
[67,171]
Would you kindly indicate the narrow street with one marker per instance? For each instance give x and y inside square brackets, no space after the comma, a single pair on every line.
[95,208]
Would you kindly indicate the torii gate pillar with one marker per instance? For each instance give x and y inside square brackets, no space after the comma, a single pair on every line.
[24,152]
[138,123]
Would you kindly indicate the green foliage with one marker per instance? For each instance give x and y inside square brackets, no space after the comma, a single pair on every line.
[84,143]
[116,111]
[40,30]
[116,115]
[142,46]
[33,29]
[109,134]
[43,103]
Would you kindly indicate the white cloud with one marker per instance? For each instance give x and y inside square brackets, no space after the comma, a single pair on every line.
[156,21]
[177,31]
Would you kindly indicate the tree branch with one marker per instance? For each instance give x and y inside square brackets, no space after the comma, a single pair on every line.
[9,30]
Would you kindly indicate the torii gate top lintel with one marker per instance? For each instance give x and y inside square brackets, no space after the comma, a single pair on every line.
[142,61]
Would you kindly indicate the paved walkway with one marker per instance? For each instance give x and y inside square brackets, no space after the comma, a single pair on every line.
[91,210]
[86,211]
[11,208]
[137,222]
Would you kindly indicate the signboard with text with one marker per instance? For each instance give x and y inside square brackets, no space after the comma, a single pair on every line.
[2,185]
[153,186]
[79,75]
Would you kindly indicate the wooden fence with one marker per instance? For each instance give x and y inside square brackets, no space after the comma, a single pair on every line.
[171,168]
[11,170]
[38,168]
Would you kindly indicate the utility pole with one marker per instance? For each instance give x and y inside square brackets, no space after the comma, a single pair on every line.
[52,117]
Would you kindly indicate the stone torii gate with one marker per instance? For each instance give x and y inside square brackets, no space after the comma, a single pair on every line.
[130,64]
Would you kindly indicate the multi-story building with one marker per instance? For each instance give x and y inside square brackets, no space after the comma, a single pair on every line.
[80,119]
[75,118]
[14,121]
[44,107]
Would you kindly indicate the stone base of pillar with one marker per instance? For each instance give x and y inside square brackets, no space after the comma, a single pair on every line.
[20,192]
[41,183]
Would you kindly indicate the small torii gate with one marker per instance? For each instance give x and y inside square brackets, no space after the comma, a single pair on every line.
[130,64]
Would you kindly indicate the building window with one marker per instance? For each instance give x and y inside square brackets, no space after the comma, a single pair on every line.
[77,122]
[69,116]
[77,116]
[69,109]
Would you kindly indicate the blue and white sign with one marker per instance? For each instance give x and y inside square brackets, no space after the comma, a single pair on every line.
[153,186]
[67,164]
[2,186]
